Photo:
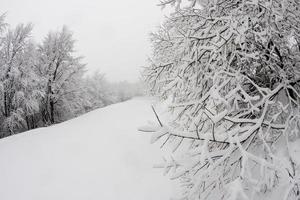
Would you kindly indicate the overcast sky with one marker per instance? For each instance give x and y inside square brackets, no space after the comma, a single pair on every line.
[112,35]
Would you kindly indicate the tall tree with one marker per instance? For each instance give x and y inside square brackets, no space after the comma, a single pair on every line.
[18,80]
[61,71]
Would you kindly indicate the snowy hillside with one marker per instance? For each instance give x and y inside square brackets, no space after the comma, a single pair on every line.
[99,156]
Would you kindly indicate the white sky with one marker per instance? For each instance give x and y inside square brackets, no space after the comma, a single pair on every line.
[112,35]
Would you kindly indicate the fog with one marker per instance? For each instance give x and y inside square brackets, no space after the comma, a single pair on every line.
[111,35]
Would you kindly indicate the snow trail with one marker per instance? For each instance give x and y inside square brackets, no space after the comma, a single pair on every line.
[98,156]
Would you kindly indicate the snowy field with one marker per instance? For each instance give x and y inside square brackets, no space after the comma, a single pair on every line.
[98,156]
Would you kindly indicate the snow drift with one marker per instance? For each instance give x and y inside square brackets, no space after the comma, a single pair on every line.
[100,155]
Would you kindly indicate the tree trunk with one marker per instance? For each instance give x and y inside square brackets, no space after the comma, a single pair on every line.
[51,111]
[5,105]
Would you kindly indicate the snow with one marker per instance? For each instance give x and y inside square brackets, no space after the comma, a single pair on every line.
[100,155]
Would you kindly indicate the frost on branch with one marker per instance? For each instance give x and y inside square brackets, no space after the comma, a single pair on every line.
[232,72]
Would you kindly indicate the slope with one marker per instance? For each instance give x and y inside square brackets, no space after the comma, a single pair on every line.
[98,156]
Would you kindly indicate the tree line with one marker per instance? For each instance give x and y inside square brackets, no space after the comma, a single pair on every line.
[46,83]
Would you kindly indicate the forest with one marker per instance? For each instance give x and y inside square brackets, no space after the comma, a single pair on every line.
[46,83]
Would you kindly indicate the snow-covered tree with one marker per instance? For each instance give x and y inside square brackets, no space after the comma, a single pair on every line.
[19,91]
[97,91]
[124,90]
[62,73]
[231,69]
[42,84]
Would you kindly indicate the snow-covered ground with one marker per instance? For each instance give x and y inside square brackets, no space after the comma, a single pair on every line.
[98,156]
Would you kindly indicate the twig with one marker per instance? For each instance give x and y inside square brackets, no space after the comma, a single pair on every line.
[157,116]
